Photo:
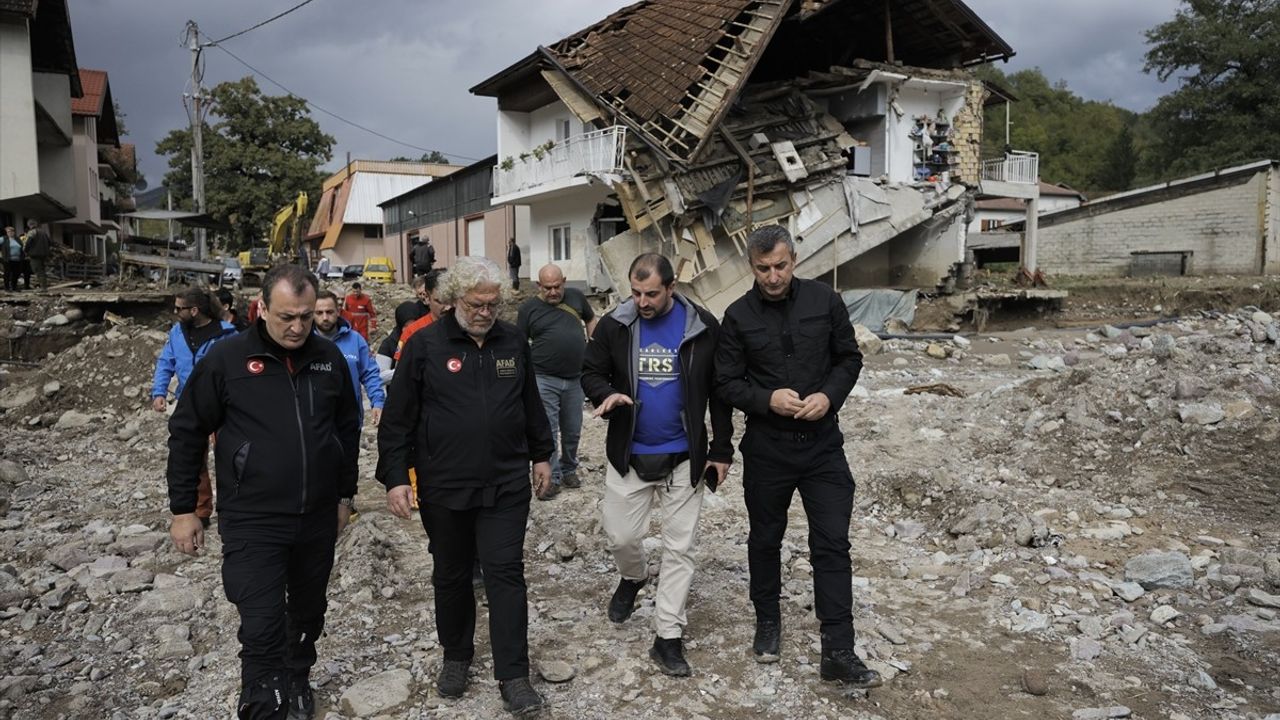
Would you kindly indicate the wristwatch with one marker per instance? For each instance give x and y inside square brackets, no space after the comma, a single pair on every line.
[350,502]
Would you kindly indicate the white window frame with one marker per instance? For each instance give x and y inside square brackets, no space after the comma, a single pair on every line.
[558,237]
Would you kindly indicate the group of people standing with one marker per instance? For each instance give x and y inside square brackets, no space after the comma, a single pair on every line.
[486,415]
[25,255]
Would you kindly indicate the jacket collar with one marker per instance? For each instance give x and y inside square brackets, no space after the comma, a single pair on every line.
[627,314]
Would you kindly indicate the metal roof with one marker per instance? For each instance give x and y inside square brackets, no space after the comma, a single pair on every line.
[369,189]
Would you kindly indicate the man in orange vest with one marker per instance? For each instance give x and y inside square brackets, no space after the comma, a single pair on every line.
[357,310]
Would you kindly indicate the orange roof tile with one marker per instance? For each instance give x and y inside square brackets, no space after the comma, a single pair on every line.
[94,83]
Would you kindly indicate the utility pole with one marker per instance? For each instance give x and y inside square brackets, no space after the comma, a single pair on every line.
[195,113]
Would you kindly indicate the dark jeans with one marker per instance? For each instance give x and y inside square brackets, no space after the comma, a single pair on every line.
[275,569]
[12,268]
[39,266]
[495,535]
[775,465]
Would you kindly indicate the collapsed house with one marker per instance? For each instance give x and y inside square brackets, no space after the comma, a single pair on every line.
[854,123]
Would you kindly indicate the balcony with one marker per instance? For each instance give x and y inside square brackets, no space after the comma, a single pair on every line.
[565,165]
[1015,175]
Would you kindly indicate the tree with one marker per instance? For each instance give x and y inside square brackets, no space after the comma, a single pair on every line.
[434,156]
[1077,139]
[258,154]
[1226,110]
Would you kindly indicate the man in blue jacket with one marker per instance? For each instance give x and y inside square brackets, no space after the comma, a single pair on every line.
[189,339]
[364,370]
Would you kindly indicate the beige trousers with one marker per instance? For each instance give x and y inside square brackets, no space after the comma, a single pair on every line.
[627,503]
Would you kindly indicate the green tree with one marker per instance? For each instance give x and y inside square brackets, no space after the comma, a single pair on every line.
[1226,110]
[259,152]
[1076,138]
[434,156]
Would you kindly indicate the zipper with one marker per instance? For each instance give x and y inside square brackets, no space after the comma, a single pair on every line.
[302,438]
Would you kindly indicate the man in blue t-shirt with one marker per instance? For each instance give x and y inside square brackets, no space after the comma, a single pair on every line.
[657,444]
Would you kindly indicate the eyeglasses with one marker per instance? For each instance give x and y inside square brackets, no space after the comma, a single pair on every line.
[491,307]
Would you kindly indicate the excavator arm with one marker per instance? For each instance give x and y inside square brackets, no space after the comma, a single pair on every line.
[285,229]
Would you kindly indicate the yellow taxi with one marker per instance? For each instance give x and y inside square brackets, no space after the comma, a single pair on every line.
[379,270]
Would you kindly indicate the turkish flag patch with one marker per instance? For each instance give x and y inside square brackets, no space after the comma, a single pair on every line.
[454,365]
[255,367]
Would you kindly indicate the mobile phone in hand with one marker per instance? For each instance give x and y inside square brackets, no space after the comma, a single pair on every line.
[711,478]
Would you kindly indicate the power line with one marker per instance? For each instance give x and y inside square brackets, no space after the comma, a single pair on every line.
[336,116]
[264,22]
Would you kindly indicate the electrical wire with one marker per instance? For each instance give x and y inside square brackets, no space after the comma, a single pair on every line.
[264,22]
[336,116]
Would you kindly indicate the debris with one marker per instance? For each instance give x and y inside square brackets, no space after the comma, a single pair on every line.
[935,389]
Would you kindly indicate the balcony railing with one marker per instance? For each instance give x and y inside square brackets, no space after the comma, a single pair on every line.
[1016,166]
[599,151]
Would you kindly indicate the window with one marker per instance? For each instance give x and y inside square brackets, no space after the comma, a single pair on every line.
[988,225]
[563,130]
[559,242]
[373,231]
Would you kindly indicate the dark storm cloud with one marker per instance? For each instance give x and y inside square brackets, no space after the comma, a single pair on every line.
[403,67]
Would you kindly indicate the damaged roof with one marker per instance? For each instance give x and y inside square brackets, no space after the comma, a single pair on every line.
[670,69]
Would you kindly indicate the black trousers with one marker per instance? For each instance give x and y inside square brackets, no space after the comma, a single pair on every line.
[275,569]
[12,268]
[775,465]
[495,535]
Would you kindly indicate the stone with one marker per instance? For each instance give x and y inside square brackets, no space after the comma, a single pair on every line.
[66,557]
[57,320]
[56,598]
[1091,627]
[1046,362]
[1102,713]
[72,420]
[1262,599]
[12,591]
[107,566]
[1164,614]
[892,634]
[1000,360]
[556,671]
[980,515]
[133,580]
[1271,570]
[1113,530]
[1085,649]
[1201,414]
[936,351]
[51,388]
[1111,332]
[174,641]
[11,474]
[961,342]
[377,694]
[1156,569]
[1163,346]
[73,314]
[1262,318]
[1189,389]
[908,530]
[1035,682]
[168,601]
[868,342]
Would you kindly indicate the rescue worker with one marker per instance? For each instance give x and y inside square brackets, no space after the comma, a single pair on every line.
[282,402]
[649,370]
[357,309]
[463,409]
[189,340]
[788,359]
[364,371]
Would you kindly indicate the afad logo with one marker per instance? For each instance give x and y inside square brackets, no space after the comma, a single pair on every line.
[255,367]
[454,365]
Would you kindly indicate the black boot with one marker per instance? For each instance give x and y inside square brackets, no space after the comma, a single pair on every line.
[669,654]
[624,599]
[768,637]
[843,665]
[452,679]
[262,700]
[519,697]
[302,703]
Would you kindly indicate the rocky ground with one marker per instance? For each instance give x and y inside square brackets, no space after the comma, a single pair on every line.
[1050,523]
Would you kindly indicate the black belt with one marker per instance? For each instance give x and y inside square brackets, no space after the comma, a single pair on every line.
[795,436]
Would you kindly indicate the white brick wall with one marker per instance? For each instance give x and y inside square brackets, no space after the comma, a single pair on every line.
[1224,228]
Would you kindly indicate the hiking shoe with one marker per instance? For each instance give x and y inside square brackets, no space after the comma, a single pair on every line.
[554,491]
[669,654]
[519,697]
[843,665]
[570,480]
[452,680]
[765,645]
[624,599]
[302,703]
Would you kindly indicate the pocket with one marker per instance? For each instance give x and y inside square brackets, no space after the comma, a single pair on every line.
[239,462]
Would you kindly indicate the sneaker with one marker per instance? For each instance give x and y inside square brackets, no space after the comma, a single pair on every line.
[765,645]
[624,599]
[570,480]
[554,491]
[843,665]
[452,680]
[669,654]
[302,703]
[519,697]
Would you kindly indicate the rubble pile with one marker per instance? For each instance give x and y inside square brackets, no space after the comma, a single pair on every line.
[1055,523]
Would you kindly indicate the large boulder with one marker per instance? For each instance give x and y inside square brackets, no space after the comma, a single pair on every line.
[1154,570]
[377,694]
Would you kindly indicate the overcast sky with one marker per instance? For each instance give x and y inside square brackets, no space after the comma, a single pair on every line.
[403,67]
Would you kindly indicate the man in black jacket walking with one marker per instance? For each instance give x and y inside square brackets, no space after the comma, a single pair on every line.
[788,359]
[283,405]
[463,411]
[649,370]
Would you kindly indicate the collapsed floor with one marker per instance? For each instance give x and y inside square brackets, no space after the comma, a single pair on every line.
[994,543]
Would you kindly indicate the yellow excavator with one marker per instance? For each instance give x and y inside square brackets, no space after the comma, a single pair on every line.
[284,243]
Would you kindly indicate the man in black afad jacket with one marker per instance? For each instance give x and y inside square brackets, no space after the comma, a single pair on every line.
[283,406]
[649,370]
[463,410]
[788,359]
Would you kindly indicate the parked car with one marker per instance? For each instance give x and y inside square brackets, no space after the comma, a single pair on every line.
[232,272]
[352,272]
[380,270]
[336,272]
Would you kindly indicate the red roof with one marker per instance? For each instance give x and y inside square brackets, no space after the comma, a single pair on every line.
[94,83]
